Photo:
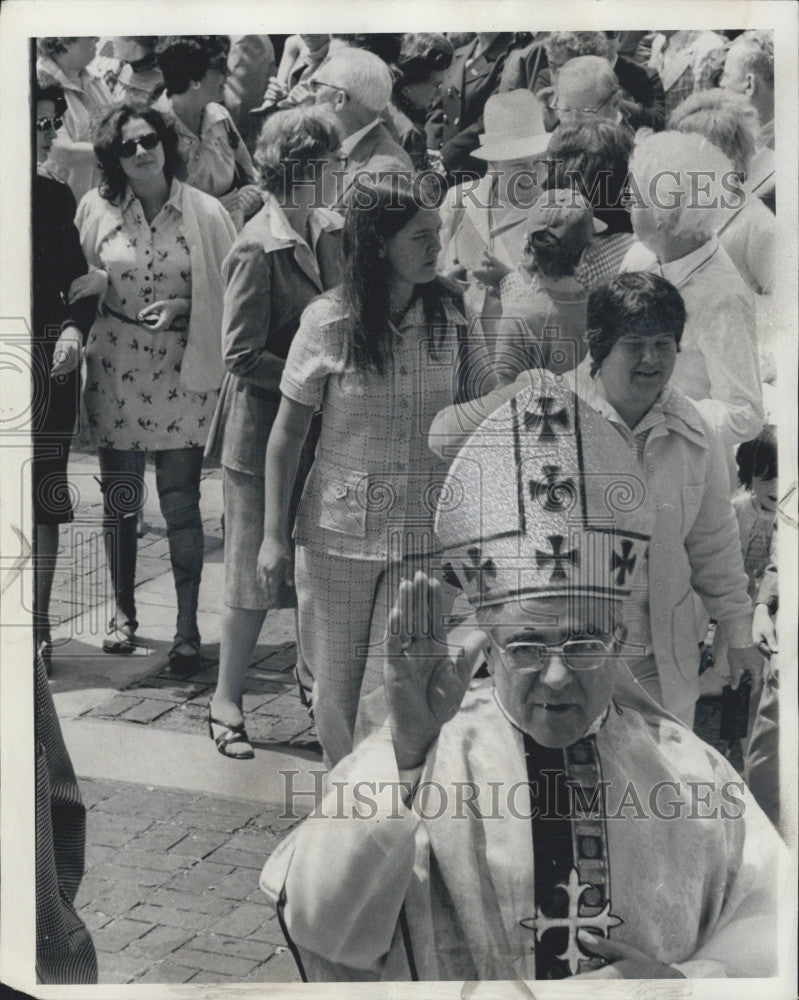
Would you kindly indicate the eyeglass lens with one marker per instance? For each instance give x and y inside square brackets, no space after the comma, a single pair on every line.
[579,654]
[147,142]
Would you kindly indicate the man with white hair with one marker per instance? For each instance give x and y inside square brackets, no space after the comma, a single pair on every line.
[749,70]
[586,87]
[679,185]
[356,86]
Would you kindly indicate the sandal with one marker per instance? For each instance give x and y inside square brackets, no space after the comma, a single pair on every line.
[229,737]
[184,664]
[119,638]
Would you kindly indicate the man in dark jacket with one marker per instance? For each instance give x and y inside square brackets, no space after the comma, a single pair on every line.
[456,120]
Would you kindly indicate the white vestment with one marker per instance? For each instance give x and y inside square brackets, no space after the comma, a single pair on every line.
[451,896]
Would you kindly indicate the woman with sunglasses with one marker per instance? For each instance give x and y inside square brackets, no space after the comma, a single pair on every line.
[380,355]
[58,334]
[64,62]
[153,363]
[212,154]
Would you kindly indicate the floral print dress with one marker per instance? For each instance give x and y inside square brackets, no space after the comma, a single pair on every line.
[133,398]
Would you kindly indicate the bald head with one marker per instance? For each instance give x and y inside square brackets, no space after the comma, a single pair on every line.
[586,87]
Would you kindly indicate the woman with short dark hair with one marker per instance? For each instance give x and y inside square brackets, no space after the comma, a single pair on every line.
[419,72]
[213,155]
[153,365]
[592,157]
[284,257]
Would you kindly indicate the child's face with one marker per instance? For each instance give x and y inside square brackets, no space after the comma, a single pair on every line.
[765,492]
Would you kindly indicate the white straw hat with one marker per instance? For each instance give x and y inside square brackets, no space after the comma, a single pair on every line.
[514,127]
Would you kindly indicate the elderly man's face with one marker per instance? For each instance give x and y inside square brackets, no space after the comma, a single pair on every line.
[580,99]
[554,694]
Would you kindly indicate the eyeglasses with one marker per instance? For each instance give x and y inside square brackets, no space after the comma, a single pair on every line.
[582,112]
[578,654]
[129,146]
[45,124]
[314,85]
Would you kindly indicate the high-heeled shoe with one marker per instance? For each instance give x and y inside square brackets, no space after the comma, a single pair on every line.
[227,738]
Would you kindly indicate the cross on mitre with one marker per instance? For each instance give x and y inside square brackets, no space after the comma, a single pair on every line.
[549,413]
[553,493]
[538,512]
[601,922]
[479,570]
[624,562]
[559,560]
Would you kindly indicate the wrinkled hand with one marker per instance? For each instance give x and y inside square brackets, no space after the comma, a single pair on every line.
[742,661]
[93,283]
[491,271]
[274,568]
[424,686]
[626,962]
[275,91]
[764,634]
[66,356]
[250,199]
[162,314]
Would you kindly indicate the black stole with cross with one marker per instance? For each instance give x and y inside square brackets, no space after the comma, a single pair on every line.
[571,869]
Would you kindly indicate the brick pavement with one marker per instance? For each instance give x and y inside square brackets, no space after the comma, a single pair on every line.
[171,891]
[273,712]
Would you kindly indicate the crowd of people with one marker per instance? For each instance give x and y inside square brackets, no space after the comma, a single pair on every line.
[478,327]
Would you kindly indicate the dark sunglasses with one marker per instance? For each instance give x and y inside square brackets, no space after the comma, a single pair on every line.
[45,124]
[147,142]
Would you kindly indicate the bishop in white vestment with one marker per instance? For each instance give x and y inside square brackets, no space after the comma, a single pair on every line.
[552,821]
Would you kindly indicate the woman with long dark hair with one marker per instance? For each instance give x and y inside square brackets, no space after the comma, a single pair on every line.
[381,355]
[153,361]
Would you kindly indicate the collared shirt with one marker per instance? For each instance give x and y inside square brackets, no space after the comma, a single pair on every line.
[373,472]
[71,157]
[348,144]
[602,258]
[718,358]
[637,611]
[271,274]
[133,396]
[210,158]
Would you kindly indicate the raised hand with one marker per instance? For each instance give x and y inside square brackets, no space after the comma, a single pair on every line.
[424,685]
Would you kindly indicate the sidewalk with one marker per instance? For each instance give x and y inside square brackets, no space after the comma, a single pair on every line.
[177,834]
